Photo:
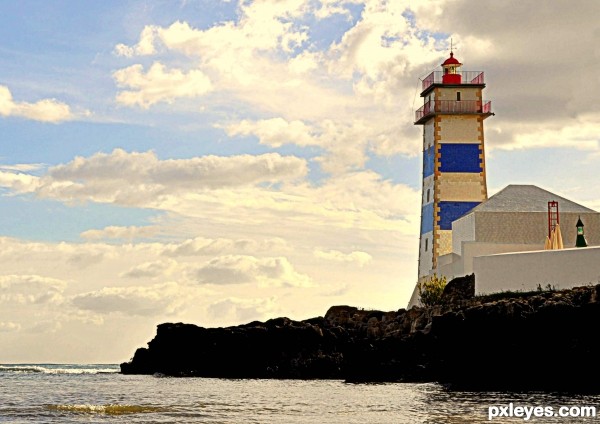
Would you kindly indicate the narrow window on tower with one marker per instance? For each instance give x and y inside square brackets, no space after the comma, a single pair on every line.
[458,96]
[426,244]
[428,192]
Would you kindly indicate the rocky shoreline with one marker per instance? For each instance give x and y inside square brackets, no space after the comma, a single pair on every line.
[546,340]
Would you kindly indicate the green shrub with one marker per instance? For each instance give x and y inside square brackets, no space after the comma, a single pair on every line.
[430,290]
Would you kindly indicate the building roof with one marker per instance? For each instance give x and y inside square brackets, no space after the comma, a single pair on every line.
[527,198]
[451,60]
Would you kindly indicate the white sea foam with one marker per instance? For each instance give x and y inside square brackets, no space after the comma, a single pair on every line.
[111,409]
[57,369]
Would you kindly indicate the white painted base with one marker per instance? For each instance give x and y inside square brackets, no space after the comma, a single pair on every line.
[524,271]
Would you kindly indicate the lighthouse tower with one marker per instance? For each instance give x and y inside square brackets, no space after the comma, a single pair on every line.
[454,179]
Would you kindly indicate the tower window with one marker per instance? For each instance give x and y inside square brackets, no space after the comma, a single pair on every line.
[426,244]
[428,193]
[458,96]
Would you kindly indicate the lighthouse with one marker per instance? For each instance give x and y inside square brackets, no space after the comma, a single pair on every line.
[499,240]
[454,178]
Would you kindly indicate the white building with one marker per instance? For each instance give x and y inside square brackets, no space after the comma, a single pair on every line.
[491,240]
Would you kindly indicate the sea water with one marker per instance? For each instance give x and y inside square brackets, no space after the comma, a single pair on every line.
[44,393]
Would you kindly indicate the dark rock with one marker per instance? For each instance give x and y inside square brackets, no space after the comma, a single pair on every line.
[459,289]
[536,341]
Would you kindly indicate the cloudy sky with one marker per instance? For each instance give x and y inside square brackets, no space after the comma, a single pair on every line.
[218,162]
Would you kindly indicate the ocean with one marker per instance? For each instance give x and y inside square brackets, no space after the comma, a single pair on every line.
[48,393]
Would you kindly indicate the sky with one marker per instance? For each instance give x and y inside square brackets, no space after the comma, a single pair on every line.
[218,162]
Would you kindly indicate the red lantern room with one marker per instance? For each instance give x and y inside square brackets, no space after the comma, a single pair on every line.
[451,71]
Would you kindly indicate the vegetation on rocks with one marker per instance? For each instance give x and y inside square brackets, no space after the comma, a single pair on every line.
[431,289]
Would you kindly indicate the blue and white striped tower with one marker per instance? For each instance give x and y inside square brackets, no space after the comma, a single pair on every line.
[454,179]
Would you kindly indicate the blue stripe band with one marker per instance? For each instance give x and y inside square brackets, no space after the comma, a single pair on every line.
[451,211]
[460,158]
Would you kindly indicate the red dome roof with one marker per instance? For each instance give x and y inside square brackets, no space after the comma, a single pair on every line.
[451,60]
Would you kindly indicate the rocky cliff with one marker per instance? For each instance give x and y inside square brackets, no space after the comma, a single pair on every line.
[545,340]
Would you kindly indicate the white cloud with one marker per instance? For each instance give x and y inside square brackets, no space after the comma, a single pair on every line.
[228,190]
[201,246]
[151,269]
[145,45]
[346,144]
[328,8]
[262,26]
[580,133]
[23,167]
[159,85]
[243,57]
[336,291]
[242,269]
[142,179]
[45,110]
[353,97]
[72,254]
[45,327]
[31,289]
[360,258]
[9,327]
[362,200]
[153,300]
[116,232]
[194,173]
[275,132]
[19,182]
[236,310]
[84,258]
[346,99]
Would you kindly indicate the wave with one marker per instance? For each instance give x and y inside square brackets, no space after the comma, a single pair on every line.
[58,369]
[110,409]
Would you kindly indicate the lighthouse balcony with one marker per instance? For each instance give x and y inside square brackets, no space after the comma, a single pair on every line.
[449,107]
[460,78]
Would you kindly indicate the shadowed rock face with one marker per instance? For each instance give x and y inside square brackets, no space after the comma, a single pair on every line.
[459,290]
[540,341]
[278,348]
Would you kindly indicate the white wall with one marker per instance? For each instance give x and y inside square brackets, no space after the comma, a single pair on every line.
[562,269]
[473,249]
[450,266]
[428,133]
[463,229]
[415,299]
[425,256]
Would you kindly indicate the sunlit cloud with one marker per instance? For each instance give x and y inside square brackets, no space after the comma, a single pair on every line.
[45,110]
[235,309]
[360,258]
[159,85]
[22,167]
[9,327]
[117,232]
[31,289]
[243,269]
[152,269]
[201,246]
[137,300]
